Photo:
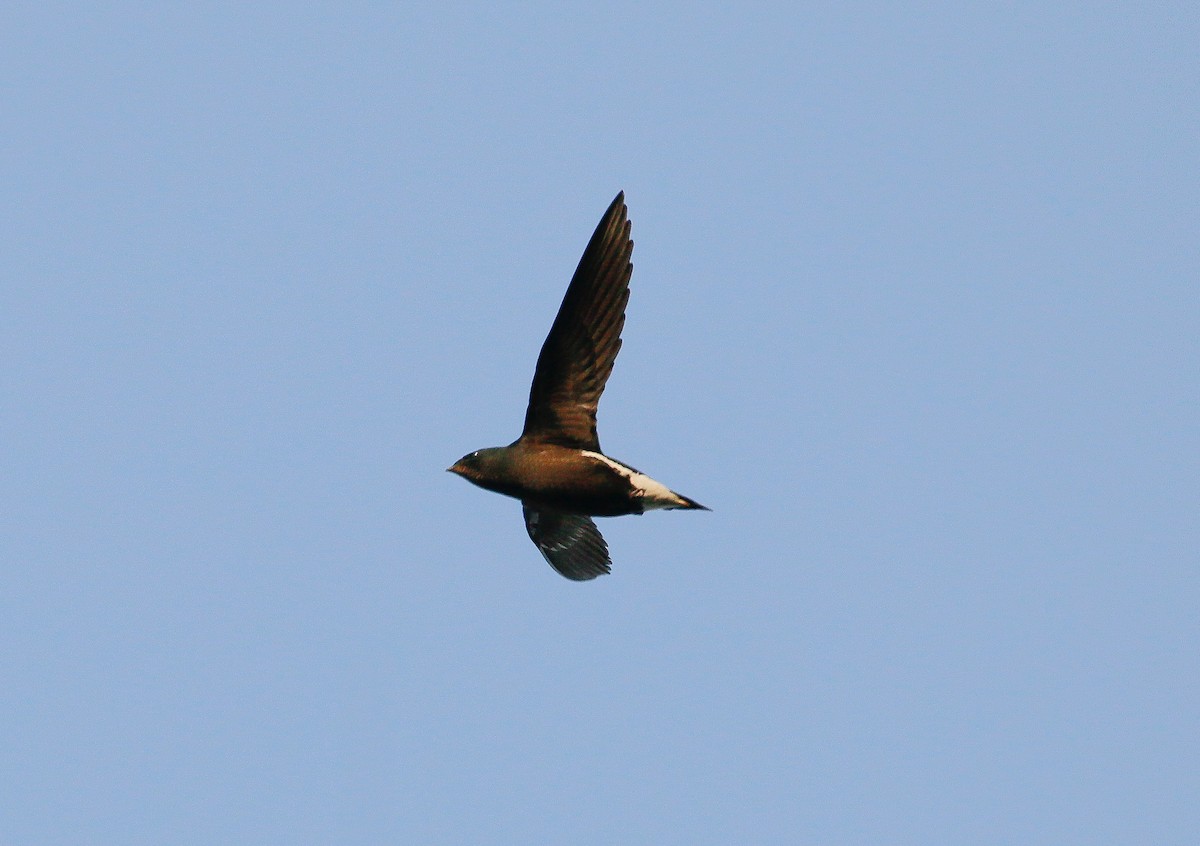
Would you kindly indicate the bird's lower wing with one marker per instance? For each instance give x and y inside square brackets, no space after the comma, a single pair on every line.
[570,542]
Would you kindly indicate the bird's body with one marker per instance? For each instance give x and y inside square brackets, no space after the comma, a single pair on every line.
[556,467]
[571,480]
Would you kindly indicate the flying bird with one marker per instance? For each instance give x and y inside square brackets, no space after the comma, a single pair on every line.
[556,468]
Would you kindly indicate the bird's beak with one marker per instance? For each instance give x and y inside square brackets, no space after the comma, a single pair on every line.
[455,468]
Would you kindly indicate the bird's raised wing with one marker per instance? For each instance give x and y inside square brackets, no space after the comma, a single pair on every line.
[579,352]
[570,542]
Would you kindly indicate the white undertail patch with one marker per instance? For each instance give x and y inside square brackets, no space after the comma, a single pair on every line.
[652,494]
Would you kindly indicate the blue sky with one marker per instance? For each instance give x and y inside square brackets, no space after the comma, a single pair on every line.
[914,310]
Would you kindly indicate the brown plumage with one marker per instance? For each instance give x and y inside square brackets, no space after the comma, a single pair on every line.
[583,343]
[556,467]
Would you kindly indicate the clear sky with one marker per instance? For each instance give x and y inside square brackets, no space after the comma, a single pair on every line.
[915,310]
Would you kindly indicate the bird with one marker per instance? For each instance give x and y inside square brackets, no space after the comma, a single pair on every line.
[556,467]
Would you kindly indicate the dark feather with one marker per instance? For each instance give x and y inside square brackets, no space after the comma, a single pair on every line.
[579,352]
[571,543]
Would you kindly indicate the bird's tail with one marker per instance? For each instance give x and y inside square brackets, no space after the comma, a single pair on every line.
[686,504]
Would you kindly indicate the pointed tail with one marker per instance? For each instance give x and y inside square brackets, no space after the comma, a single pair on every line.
[688,504]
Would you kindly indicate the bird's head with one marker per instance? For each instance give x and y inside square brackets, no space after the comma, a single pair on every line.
[478,465]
